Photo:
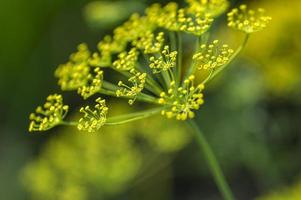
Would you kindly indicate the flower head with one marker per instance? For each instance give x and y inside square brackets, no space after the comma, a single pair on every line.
[93,120]
[107,47]
[135,27]
[159,15]
[213,55]
[127,60]
[73,74]
[212,7]
[196,24]
[137,85]
[248,21]
[82,54]
[174,19]
[93,84]
[50,115]
[149,42]
[182,101]
[164,62]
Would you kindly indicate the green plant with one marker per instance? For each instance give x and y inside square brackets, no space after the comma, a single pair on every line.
[147,53]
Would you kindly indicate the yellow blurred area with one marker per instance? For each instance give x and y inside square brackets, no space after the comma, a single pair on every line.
[290,193]
[74,164]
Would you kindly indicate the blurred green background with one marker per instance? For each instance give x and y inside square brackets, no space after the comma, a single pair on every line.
[251,116]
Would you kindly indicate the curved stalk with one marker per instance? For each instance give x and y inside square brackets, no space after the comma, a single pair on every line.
[122,119]
[212,162]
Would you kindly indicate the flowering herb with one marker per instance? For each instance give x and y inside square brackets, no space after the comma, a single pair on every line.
[146,51]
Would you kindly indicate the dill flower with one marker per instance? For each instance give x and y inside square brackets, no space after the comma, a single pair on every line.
[213,55]
[161,16]
[197,24]
[166,61]
[74,73]
[247,20]
[182,100]
[93,84]
[135,27]
[126,60]
[149,42]
[93,120]
[172,18]
[49,115]
[212,7]
[137,85]
[106,47]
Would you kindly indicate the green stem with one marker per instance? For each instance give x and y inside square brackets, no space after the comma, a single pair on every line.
[151,85]
[212,162]
[180,59]
[192,66]
[122,119]
[70,123]
[166,78]
[110,90]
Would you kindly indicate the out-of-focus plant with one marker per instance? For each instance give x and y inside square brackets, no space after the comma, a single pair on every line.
[289,193]
[147,52]
[92,166]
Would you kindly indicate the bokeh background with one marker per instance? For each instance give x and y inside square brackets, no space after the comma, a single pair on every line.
[251,116]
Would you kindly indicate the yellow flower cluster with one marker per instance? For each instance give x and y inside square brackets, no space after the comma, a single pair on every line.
[132,29]
[213,55]
[126,60]
[93,84]
[156,12]
[107,47]
[174,19]
[74,73]
[137,85]
[51,114]
[93,120]
[161,73]
[212,7]
[166,61]
[183,100]
[247,20]
[149,43]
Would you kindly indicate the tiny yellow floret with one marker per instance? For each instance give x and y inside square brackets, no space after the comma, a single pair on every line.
[137,85]
[50,115]
[183,100]
[247,20]
[164,62]
[213,55]
[93,84]
[212,7]
[93,120]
